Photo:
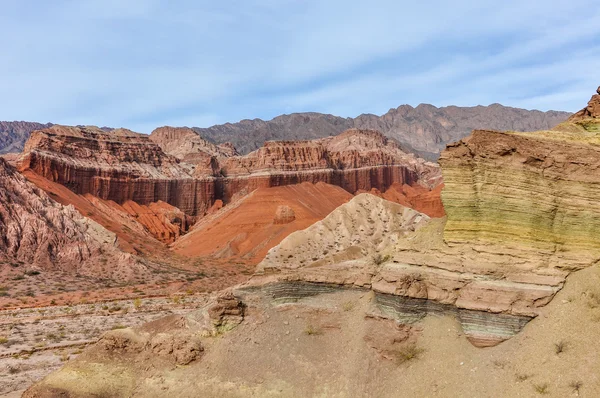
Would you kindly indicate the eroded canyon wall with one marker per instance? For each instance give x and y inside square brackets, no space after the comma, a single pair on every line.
[39,233]
[178,167]
[523,211]
[535,192]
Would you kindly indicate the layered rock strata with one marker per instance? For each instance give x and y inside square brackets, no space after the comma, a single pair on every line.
[482,328]
[119,165]
[178,167]
[532,195]
[354,160]
[39,232]
[522,213]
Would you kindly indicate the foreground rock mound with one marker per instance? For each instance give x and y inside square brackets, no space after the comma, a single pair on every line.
[291,339]
[284,215]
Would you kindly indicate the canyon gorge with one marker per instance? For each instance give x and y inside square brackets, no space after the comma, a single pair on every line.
[487,263]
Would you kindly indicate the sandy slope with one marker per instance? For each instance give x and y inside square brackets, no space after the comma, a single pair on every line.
[326,346]
[246,231]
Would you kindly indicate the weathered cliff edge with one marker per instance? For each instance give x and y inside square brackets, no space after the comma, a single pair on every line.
[189,173]
[39,233]
[522,213]
[120,165]
[362,281]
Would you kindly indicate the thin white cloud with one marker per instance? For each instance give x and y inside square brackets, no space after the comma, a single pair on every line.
[145,63]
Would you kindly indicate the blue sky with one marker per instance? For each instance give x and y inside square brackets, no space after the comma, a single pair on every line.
[141,64]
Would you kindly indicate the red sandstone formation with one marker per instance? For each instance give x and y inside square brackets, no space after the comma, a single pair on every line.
[591,111]
[165,222]
[37,231]
[354,160]
[417,197]
[246,230]
[119,165]
[131,235]
[123,166]
[284,215]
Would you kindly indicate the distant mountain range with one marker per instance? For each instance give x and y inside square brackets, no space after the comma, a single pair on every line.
[14,134]
[424,130]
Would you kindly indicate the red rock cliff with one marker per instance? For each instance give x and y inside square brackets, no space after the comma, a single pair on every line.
[120,166]
[189,173]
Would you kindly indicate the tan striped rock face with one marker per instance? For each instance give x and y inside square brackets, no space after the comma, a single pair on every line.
[523,211]
[533,195]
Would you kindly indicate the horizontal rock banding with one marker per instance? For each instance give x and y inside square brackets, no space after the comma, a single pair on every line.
[482,328]
[533,191]
[178,167]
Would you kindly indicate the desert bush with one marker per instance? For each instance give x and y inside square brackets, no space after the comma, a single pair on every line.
[576,386]
[593,299]
[521,377]
[407,353]
[53,337]
[32,272]
[560,347]
[542,389]
[348,306]
[137,303]
[378,259]
[3,340]
[312,330]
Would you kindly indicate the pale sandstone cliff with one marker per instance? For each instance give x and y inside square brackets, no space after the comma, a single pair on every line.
[522,213]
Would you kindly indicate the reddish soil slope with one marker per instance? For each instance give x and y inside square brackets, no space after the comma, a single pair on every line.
[131,235]
[416,197]
[247,229]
